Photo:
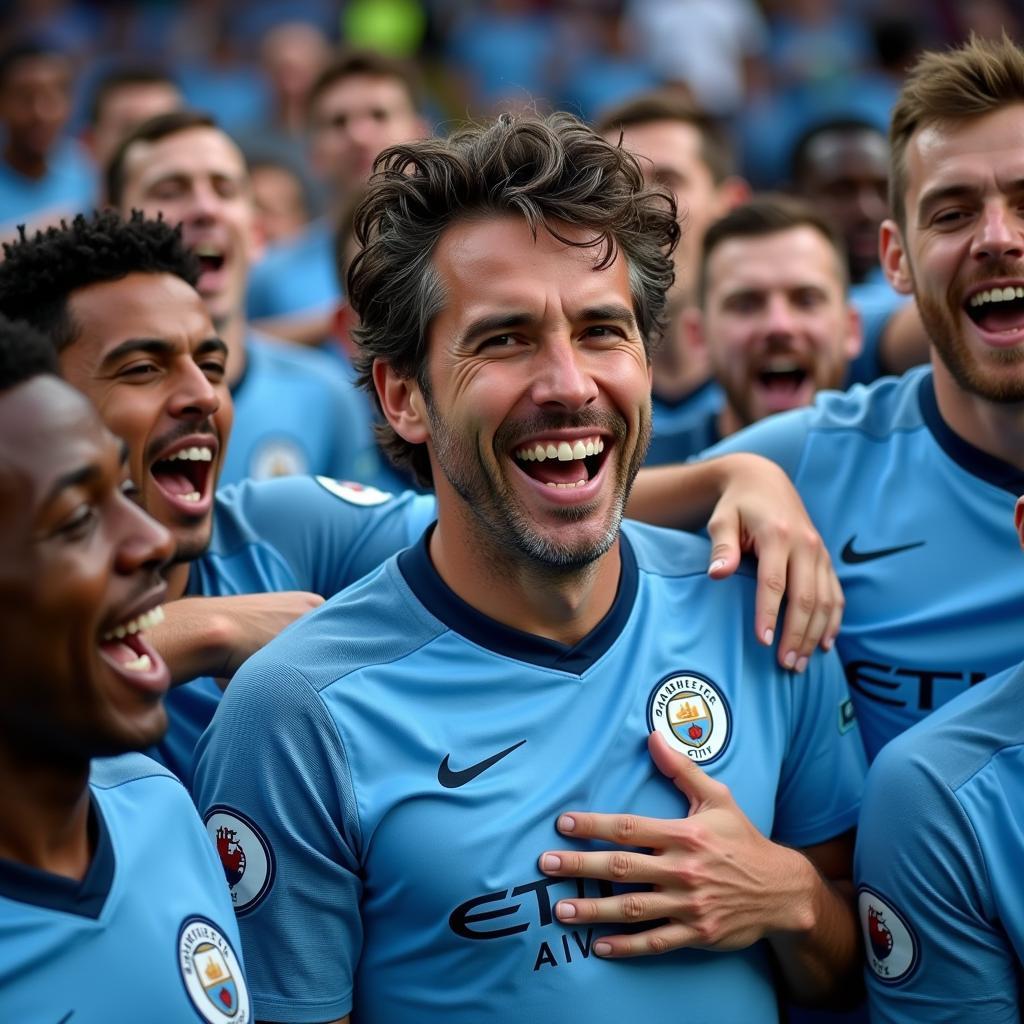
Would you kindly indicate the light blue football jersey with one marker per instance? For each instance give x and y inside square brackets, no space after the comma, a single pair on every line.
[297,533]
[296,412]
[148,934]
[390,775]
[677,427]
[939,860]
[919,524]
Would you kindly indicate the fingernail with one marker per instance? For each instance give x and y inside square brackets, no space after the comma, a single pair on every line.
[790,660]
[550,862]
[565,911]
[768,637]
[602,948]
[828,643]
[801,664]
[718,563]
[566,823]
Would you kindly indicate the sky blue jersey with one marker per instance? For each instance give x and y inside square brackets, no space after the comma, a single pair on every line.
[939,860]
[296,412]
[147,935]
[297,533]
[392,766]
[676,426]
[919,524]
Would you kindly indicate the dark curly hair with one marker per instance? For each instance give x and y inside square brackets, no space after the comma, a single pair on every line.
[24,354]
[39,274]
[551,171]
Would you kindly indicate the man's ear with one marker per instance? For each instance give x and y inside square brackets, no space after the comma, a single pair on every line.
[1018,519]
[342,322]
[691,326]
[402,403]
[853,342]
[893,257]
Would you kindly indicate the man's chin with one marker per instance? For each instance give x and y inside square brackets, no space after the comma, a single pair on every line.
[189,548]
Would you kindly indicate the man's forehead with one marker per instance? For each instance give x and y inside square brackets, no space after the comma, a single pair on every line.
[356,92]
[194,152]
[783,258]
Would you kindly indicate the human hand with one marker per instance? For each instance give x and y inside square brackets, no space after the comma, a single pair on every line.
[761,513]
[718,882]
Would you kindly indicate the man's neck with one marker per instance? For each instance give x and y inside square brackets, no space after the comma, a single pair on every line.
[996,429]
[561,604]
[232,330]
[44,812]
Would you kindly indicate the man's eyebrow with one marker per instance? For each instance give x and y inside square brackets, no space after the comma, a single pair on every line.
[73,478]
[494,323]
[156,347]
[613,312]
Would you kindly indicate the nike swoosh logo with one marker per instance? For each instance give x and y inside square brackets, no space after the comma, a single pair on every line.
[67,1016]
[453,780]
[851,557]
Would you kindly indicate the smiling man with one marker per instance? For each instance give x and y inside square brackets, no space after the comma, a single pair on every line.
[772,315]
[86,837]
[294,410]
[399,787]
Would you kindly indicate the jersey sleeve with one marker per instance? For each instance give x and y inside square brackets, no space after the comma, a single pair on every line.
[273,786]
[934,951]
[332,533]
[823,773]
[780,438]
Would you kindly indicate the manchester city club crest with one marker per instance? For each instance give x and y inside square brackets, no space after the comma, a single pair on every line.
[353,493]
[691,712]
[245,854]
[212,973]
[889,941]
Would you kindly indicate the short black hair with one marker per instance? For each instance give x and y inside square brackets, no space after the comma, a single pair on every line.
[39,274]
[118,77]
[24,354]
[151,130]
[26,49]
[371,64]
[799,160]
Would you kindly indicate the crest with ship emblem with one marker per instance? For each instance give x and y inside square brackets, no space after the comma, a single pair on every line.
[212,973]
[691,712]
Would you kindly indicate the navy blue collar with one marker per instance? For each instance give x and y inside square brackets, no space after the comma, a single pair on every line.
[675,403]
[25,884]
[443,603]
[963,453]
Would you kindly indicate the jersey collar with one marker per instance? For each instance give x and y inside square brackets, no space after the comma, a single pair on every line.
[443,603]
[86,898]
[963,453]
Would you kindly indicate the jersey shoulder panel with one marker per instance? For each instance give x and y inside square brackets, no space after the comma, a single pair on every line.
[663,552]
[110,772]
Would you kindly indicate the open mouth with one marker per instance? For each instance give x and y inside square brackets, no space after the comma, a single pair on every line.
[211,258]
[782,377]
[561,463]
[126,650]
[184,475]
[997,310]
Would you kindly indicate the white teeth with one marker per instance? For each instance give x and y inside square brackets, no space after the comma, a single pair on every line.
[207,250]
[563,451]
[147,620]
[191,496]
[996,295]
[193,454]
[562,487]
[141,664]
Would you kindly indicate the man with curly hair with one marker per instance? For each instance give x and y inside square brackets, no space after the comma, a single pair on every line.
[397,761]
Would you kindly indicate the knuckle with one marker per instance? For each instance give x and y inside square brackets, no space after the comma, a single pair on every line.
[811,540]
[626,827]
[619,865]
[775,583]
[706,931]
[634,907]
[805,601]
[657,944]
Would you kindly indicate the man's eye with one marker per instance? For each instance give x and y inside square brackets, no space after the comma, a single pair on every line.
[949,217]
[138,370]
[129,488]
[499,341]
[214,371]
[78,524]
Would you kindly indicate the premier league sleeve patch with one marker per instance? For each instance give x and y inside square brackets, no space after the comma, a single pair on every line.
[353,493]
[212,973]
[245,854]
[691,712]
[889,941]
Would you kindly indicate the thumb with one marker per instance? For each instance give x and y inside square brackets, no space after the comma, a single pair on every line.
[725,547]
[689,778]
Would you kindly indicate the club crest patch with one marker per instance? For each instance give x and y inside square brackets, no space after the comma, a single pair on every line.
[692,714]
[245,855]
[278,457]
[353,493]
[889,941]
[212,973]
